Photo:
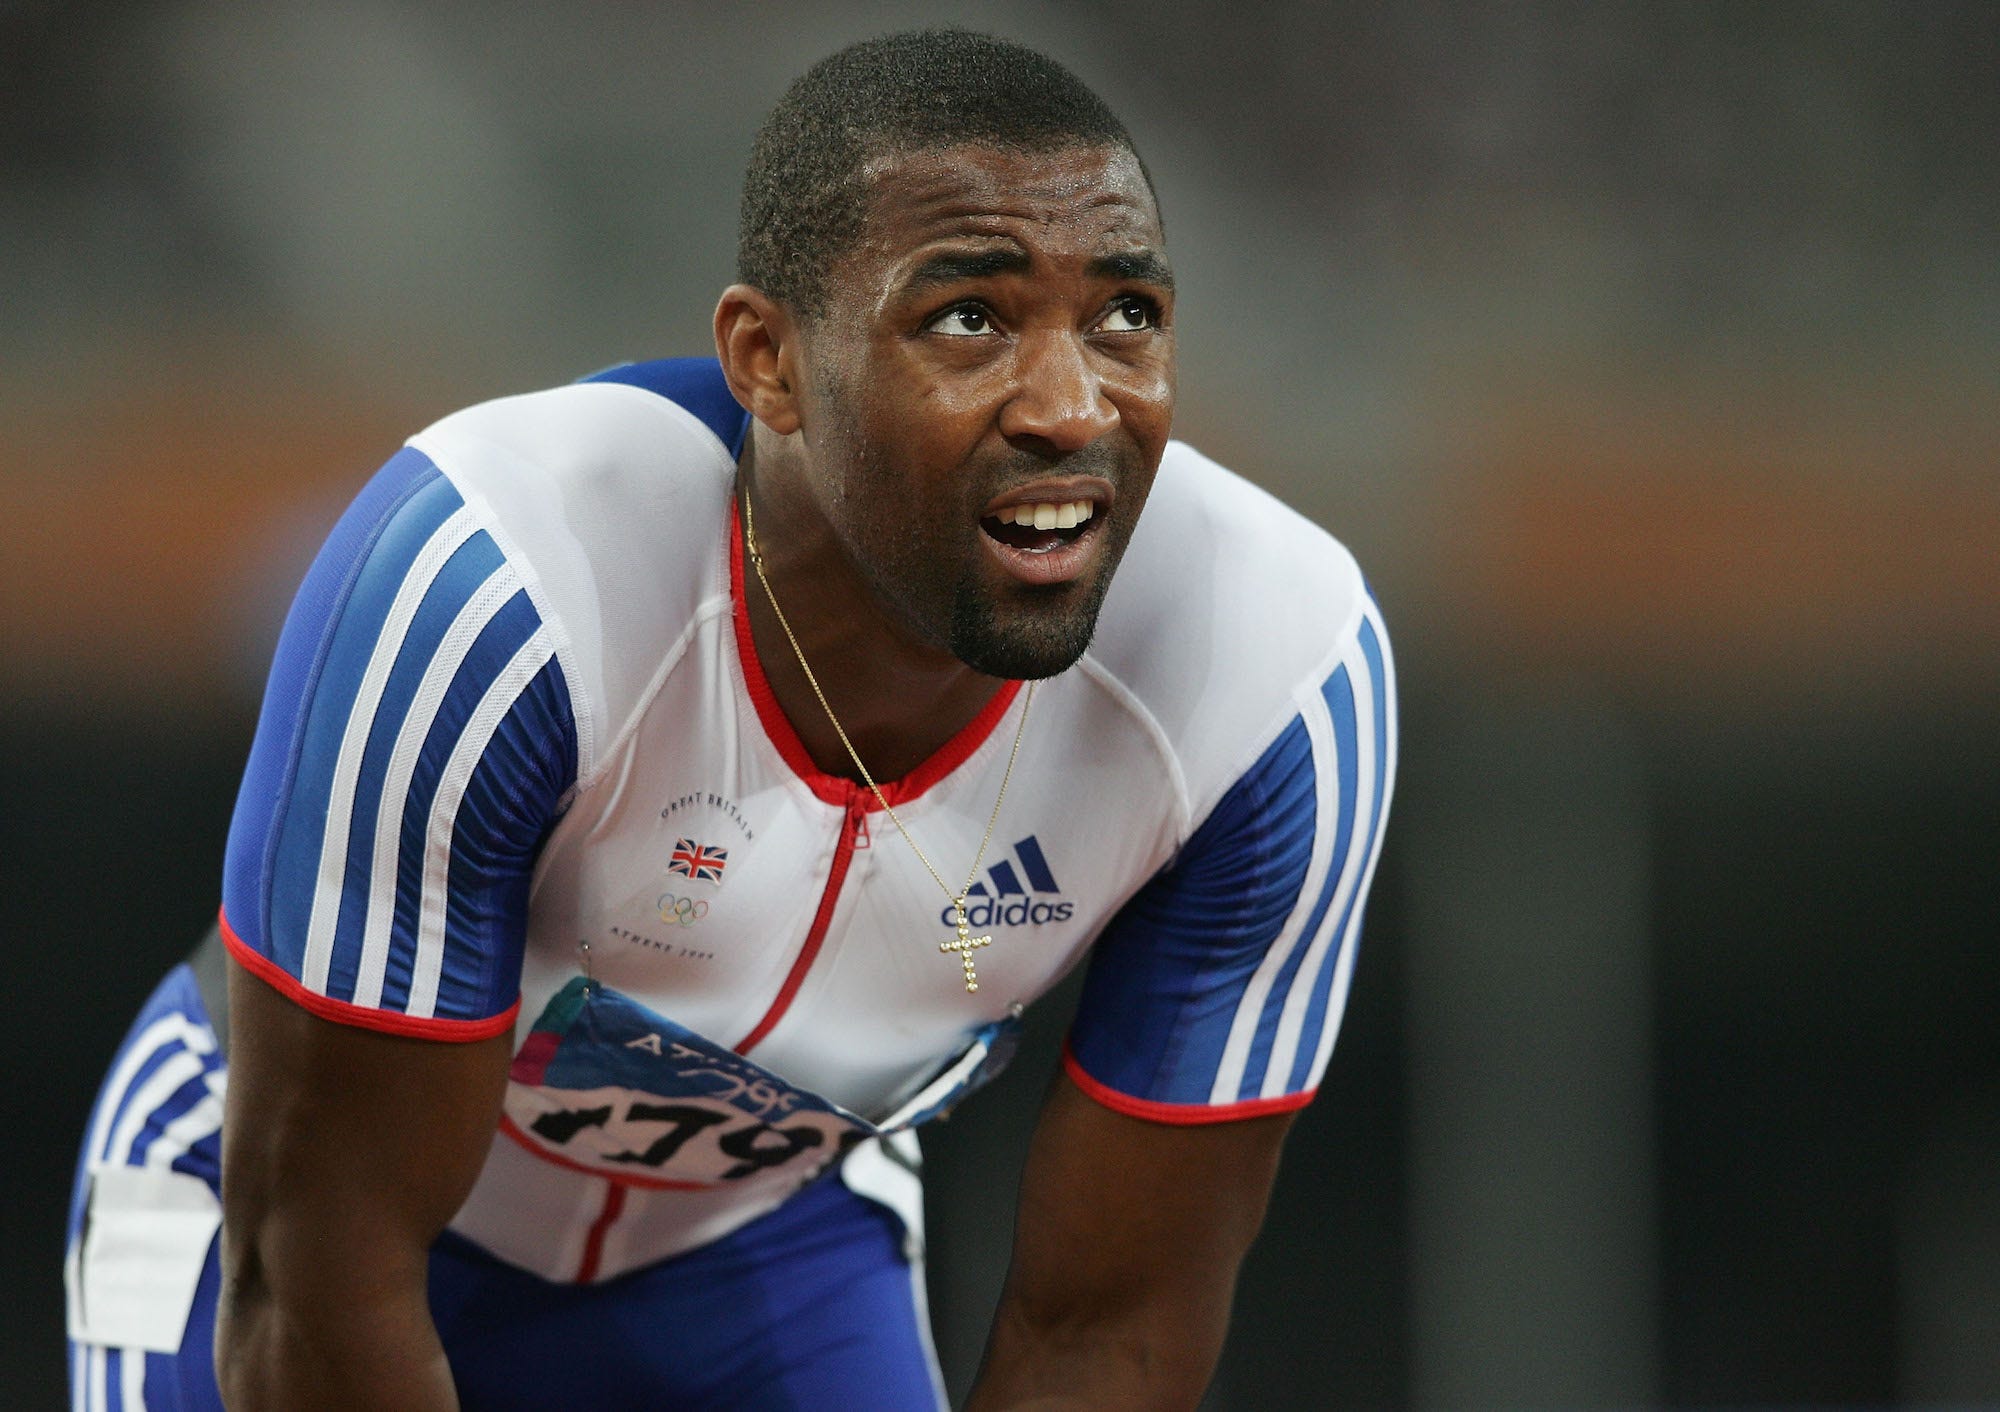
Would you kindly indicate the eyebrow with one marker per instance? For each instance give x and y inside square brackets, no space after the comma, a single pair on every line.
[1139,266]
[959,266]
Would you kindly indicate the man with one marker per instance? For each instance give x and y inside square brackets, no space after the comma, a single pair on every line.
[671,787]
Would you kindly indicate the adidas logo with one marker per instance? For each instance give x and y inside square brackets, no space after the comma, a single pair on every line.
[1016,892]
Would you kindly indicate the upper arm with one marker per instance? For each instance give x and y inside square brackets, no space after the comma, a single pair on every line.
[1116,1209]
[415,747]
[1217,991]
[343,1139]
[1206,1021]
[346,1151]
[416,744]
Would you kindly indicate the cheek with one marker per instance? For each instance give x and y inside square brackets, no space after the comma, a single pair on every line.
[1145,401]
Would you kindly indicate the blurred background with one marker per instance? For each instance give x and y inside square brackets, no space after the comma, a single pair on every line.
[1648,356]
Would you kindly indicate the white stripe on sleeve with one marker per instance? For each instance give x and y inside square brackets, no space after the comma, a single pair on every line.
[472,619]
[1385,727]
[155,1037]
[1243,1027]
[493,707]
[430,561]
[1298,1000]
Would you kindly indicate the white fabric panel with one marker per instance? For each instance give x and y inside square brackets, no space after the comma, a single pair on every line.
[147,1237]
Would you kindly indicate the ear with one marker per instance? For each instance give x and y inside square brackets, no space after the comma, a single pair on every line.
[758,345]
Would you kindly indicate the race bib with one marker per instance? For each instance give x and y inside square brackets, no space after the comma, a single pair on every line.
[608,1086]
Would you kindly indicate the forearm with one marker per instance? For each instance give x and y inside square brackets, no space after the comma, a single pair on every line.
[1100,1357]
[1126,1252]
[346,1152]
[333,1337]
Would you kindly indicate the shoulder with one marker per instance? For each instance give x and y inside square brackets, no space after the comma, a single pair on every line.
[610,497]
[1229,612]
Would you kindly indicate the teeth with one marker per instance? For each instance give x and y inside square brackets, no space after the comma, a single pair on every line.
[1048,514]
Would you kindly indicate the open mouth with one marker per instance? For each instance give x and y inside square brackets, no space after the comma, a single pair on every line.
[1041,527]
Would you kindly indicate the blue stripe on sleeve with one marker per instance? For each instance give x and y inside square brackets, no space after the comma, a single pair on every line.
[1357,901]
[1167,974]
[534,751]
[492,650]
[463,575]
[251,861]
[351,632]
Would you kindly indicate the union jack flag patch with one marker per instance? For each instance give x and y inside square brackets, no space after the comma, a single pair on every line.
[698,860]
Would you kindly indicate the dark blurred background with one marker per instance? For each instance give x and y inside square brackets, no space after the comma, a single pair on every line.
[1647,354]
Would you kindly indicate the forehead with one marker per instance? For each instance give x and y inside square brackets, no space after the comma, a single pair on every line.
[1089,197]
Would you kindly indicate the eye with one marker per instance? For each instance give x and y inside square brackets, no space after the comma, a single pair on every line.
[1130,314]
[961,321]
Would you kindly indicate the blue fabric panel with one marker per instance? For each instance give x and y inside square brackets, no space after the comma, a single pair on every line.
[491,650]
[694,383]
[1168,972]
[1339,694]
[349,635]
[811,1306]
[185,1380]
[503,821]
[267,779]
[333,631]
[468,568]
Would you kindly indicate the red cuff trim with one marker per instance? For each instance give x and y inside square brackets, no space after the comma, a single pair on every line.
[346,1013]
[1179,1114]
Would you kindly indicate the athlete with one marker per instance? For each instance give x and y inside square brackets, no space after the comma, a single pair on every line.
[671,787]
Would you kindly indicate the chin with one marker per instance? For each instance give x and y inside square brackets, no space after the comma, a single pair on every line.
[1036,642]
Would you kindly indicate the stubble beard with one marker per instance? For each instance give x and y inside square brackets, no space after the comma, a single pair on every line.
[1040,641]
[1037,636]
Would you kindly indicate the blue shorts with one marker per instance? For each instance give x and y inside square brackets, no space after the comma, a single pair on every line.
[814,1305]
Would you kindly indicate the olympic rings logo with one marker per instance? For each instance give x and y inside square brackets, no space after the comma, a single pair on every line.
[681,911]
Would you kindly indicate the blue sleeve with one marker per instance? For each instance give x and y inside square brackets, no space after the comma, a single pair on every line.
[1216,992]
[416,745]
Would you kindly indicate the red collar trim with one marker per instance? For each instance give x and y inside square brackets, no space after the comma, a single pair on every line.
[833,788]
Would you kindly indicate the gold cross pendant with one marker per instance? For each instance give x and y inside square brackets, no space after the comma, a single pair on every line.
[965,944]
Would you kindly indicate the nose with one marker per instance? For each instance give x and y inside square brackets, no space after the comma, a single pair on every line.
[1058,398]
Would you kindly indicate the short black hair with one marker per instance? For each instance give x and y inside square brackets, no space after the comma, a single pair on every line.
[804,196]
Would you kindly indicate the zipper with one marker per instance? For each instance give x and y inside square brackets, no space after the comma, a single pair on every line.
[593,1240]
[853,834]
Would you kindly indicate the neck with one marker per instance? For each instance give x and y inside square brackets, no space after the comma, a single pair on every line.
[898,699]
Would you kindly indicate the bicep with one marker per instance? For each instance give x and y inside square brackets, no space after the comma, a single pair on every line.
[345,1151]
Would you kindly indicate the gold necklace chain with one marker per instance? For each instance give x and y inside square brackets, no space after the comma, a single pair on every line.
[965,943]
